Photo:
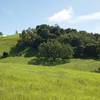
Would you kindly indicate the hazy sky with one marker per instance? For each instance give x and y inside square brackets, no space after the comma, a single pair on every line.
[20,14]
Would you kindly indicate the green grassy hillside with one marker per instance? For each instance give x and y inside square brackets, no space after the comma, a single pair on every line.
[75,64]
[70,81]
[7,42]
[23,82]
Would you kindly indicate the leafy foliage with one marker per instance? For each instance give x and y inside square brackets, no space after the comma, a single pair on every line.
[84,44]
[54,49]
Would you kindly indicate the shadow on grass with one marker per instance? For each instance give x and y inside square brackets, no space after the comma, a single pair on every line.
[47,62]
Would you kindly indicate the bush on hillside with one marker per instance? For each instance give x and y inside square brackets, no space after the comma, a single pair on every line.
[5,54]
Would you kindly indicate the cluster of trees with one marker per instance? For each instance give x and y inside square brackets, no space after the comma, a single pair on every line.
[55,42]
[54,49]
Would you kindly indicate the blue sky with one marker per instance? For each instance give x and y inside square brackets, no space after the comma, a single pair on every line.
[21,14]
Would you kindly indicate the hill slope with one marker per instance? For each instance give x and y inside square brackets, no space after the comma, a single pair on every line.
[7,42]
[20,81]
[23,82]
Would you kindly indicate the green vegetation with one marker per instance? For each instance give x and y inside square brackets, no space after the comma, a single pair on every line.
[54,49]
[24,82]
[6,43]
[87,65]
[53,52]
[78,79]
[84,44]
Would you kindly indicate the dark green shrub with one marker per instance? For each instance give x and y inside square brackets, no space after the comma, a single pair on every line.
[5,54]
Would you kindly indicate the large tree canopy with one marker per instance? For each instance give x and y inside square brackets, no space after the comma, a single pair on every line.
[54,49]
[84,44]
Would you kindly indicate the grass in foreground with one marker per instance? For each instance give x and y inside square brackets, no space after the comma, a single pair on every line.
[23,82]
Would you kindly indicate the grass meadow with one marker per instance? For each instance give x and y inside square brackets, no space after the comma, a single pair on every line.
[24,82]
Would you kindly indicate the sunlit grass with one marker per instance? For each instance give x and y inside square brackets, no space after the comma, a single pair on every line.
[23,82]
[7,42]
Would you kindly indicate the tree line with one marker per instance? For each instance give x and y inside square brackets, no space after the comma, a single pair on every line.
[55,42]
